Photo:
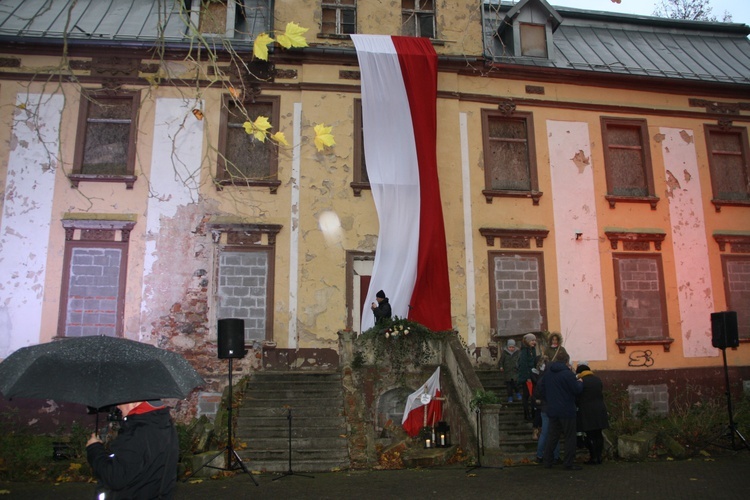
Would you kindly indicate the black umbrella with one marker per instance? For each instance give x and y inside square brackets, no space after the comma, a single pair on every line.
[96,371]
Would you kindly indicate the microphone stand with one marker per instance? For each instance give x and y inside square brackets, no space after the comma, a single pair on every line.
[290,472]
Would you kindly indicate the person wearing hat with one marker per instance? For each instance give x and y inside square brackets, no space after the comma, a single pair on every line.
[509,368]
[382,308]
[526,367]
[141,462]
[592,412]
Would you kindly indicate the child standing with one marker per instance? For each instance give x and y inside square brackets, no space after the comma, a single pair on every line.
[509,369]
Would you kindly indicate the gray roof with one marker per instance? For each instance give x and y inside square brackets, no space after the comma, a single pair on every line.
[589,41]
[602,42]
[117,20]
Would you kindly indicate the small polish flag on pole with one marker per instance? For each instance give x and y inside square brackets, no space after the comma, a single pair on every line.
[424,407]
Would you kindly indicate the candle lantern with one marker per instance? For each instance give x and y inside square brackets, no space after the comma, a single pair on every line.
[443,435]
[427,437]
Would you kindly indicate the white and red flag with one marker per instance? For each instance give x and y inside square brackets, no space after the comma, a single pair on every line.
[423,408]
[399,120]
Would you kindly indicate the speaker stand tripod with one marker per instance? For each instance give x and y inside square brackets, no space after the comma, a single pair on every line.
[289,471]
[480,448]
[233,460]
[731,430]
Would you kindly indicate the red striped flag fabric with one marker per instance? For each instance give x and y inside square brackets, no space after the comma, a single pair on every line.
[399,99]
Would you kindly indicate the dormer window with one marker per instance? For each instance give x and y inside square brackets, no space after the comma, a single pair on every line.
[230,18]
[526,30]
[533,40]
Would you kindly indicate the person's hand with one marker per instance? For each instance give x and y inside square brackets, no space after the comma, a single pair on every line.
[93,439]
[373,306]
[502,369]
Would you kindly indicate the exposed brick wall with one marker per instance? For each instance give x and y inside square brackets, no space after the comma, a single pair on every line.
[517,293]
[243,280]
[738,279]
[640,296]
[93,291]
[185,329]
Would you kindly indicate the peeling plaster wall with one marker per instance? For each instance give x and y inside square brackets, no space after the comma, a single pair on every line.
[25,225]
[173,253]
[688,231]
[578,265]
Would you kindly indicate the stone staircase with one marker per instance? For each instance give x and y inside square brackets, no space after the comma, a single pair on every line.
[516,443]
[318,441]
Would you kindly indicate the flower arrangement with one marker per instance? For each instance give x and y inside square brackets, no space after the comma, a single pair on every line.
[400,342]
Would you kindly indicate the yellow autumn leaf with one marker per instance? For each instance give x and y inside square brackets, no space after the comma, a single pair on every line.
[323,137]
[257,128]
[280,138]
[260,46]
[292,36]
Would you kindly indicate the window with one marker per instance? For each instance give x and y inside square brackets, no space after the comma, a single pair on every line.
[238,19]
[245,275]
[728,160]
[339,17]
[243,159]
[639,289]
[517,301]
[737,288]
[105,142]
[94,276]
[418,18]
[361,180]
[533,40]
[627,161]
[509,155]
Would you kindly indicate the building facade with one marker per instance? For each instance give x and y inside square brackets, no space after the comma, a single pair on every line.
[594,173]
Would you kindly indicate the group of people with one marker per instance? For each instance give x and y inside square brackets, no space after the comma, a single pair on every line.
[560,403]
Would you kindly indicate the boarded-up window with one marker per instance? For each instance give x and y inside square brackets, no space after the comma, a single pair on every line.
[95,261]
[244,290]
[517,292]
[533,40]
[244,159]
[213,17]
[627,158]
[728,158]
[418,18]
[339,17]
[641,301]
[737,288]
[509,157]
[107,125]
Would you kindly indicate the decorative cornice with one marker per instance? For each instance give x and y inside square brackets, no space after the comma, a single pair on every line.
[635,241]
[514,237]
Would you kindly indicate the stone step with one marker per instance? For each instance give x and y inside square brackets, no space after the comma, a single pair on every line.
[315,393]
[318,436]
[277,410]
[293,402]
[300,444]
[299,463]
[314,422]
[295,376]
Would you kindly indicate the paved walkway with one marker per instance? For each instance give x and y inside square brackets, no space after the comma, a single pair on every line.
[722,477]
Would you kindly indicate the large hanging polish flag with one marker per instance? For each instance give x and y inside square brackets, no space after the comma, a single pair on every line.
[423,408]
[399,119]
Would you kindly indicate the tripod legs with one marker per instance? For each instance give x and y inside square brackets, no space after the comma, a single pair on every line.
[290,472]
[234,462]
[731,430]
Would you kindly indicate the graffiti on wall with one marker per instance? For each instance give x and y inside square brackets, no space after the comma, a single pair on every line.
[641,359]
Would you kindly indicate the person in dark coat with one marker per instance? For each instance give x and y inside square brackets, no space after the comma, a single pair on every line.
[141,462]
[592,412]
[526,367]
[559,388]
[555,347]
[509,369]
[381,309]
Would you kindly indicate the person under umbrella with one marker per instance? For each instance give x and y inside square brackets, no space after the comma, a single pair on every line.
[141,462]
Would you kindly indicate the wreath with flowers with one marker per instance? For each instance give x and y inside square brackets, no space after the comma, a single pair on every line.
[398,342]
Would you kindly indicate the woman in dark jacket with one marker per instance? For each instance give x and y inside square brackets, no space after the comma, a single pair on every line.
[592,412]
